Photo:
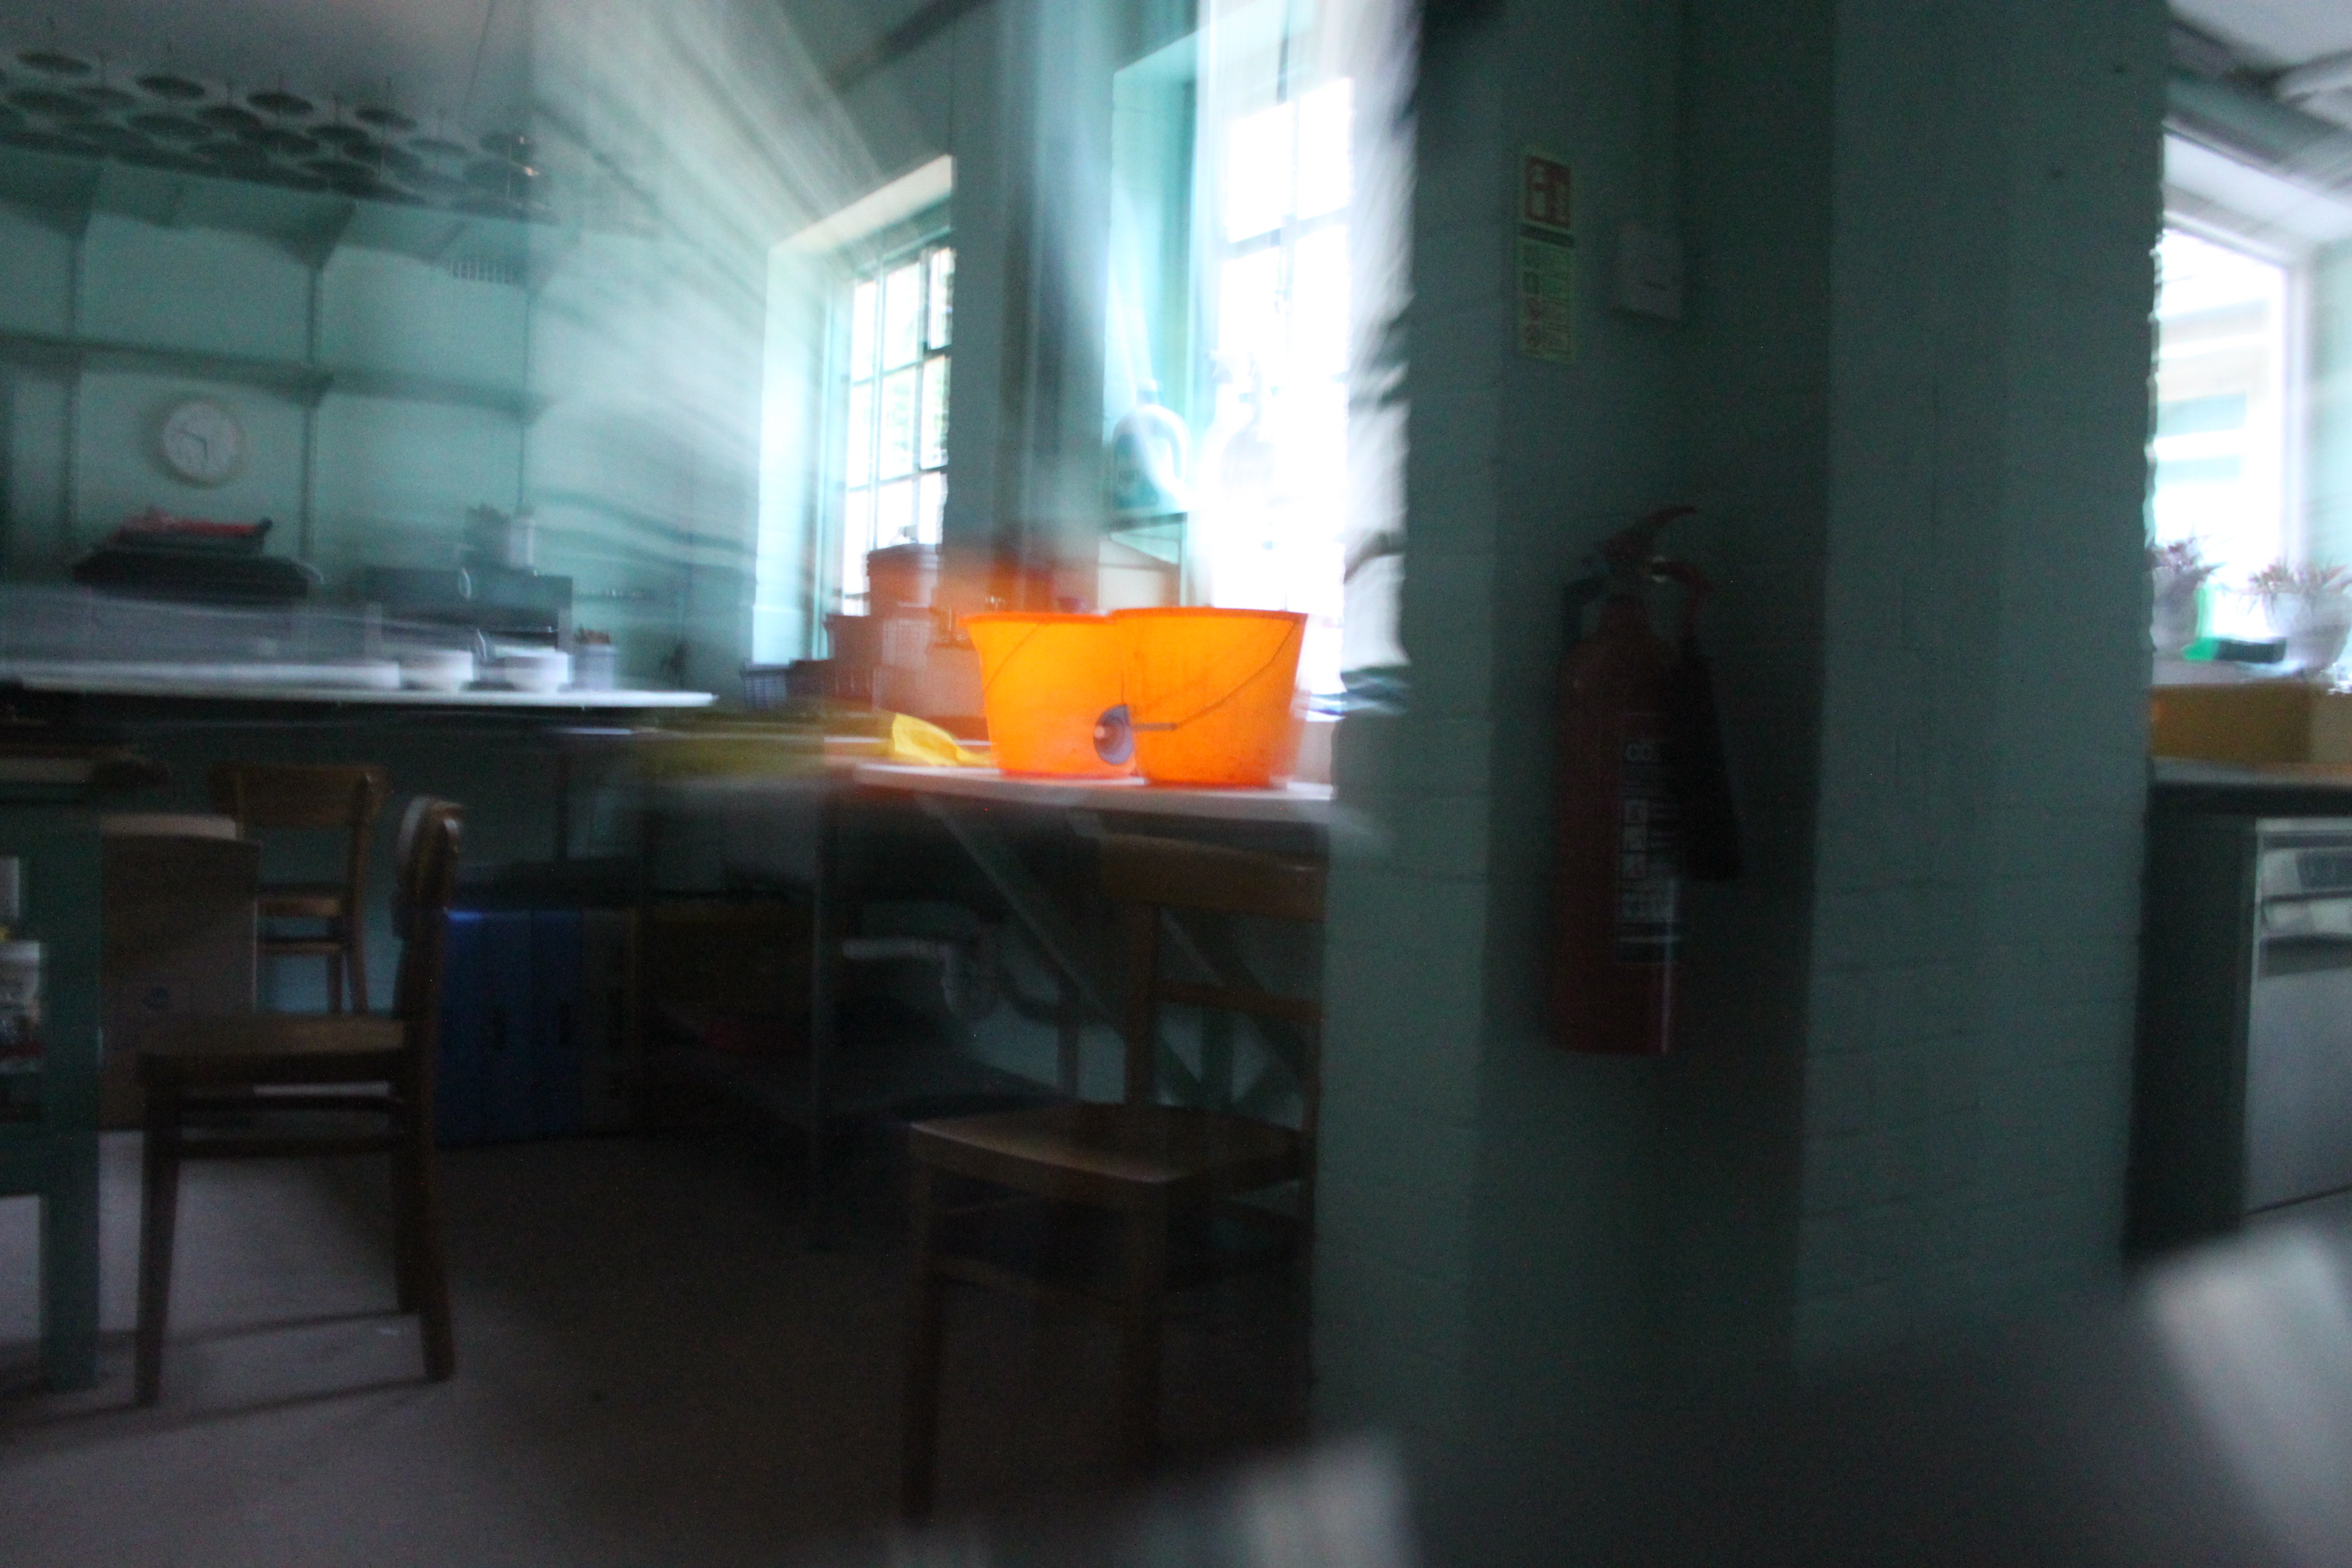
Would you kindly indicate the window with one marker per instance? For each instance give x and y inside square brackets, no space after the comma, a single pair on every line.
[1272,516]
[894,426]
[1257,257]
[2222,453]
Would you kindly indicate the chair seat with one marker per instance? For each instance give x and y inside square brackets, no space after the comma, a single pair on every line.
[1112,1157]
[1075,1256]
[303,901]
[272,1047]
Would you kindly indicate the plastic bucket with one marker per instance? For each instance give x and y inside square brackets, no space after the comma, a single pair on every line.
[1050,687]
[1212,693]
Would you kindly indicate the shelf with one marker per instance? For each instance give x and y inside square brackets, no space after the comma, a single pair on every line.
[64,189]
[305,384]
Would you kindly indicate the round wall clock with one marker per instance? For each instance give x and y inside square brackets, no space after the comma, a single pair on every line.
[202,442]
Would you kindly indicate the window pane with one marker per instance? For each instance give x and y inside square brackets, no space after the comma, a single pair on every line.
[856,539]
[1318,309]
[1257,173]
[894,515]
[2219,445]
[1249,308]
[935,411]
[897,455]
[931,504]
[857,452]
[942,293]
[862,306]
[902,315]
[1323,131]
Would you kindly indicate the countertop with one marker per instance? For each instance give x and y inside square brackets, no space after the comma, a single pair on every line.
[2271,789]
[1307,804]
[249,684]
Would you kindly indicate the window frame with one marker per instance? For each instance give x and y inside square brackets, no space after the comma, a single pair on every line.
[870,259]
[2205,219]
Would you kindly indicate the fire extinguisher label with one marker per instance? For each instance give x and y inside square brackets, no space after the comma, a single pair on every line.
[1649,878]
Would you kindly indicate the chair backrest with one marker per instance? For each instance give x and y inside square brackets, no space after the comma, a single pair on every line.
[300,794]
[345,796]
[427,886]
[1148,876]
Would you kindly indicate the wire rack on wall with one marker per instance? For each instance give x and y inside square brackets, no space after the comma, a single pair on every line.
[55,102]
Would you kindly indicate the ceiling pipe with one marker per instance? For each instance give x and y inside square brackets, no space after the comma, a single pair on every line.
[2313,78]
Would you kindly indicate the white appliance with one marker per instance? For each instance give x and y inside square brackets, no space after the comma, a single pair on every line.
[2243,1100]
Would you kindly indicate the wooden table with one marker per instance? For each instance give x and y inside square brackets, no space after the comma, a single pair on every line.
[959,800]
[1307,805]
[802,846]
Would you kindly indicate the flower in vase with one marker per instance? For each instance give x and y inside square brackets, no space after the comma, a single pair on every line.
[2310,607]
[2176,572]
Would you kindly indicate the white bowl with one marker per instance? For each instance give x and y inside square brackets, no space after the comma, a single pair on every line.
[537,669]
[437,669]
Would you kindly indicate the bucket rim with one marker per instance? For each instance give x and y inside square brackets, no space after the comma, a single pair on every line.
[1033,617]
[1206,611]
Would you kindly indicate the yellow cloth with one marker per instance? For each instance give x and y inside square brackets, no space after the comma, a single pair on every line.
[927,745]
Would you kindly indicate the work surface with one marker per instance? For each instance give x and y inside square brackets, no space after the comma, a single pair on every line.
[1307,805]
[306,684]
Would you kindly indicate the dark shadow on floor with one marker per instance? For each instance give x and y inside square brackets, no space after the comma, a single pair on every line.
[653,1368]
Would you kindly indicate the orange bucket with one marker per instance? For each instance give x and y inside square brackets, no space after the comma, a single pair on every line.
[1212,693]
[1050,687]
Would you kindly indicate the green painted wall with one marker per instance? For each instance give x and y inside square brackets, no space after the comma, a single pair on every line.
[1909,396]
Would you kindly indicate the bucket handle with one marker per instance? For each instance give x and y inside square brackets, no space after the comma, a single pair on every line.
[1272,660]
[1010,655]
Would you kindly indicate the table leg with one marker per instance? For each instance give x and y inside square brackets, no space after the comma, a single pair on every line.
[1043,920]
[69,1267]
[563,804]
[1030,903]
[1069,1024]
[824,942]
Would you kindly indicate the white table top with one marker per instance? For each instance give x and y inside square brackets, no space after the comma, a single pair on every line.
[1310,805]
[205,683]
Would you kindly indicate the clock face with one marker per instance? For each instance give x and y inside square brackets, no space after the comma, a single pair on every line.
[202,442]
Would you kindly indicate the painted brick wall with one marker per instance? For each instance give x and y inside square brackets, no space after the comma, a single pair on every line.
[1910,398]
[1983,723]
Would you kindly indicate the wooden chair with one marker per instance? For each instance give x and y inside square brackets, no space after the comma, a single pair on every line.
[250,1066]
[1143,1167]
[346,796]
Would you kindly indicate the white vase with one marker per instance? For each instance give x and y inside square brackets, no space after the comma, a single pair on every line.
[2172,621]
[2315,627]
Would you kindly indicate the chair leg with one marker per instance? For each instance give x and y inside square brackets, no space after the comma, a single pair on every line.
[417,1197]
[404,1244]
[334,982]
[1138,1333]
[353,929]
[918,1474]
[159,1181]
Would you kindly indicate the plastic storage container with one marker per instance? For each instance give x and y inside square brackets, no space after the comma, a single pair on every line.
[1212,694]
[1050,687]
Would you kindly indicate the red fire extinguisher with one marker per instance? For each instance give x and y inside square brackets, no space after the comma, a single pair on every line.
[1644,801]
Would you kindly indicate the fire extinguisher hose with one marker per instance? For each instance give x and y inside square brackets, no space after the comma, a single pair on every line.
[1710,812]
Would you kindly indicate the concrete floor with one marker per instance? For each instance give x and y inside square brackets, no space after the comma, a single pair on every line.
[652,1369]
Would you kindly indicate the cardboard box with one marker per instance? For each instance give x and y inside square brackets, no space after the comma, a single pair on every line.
[2331,728]
[180,929]
[2260,723]
[2257,723]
